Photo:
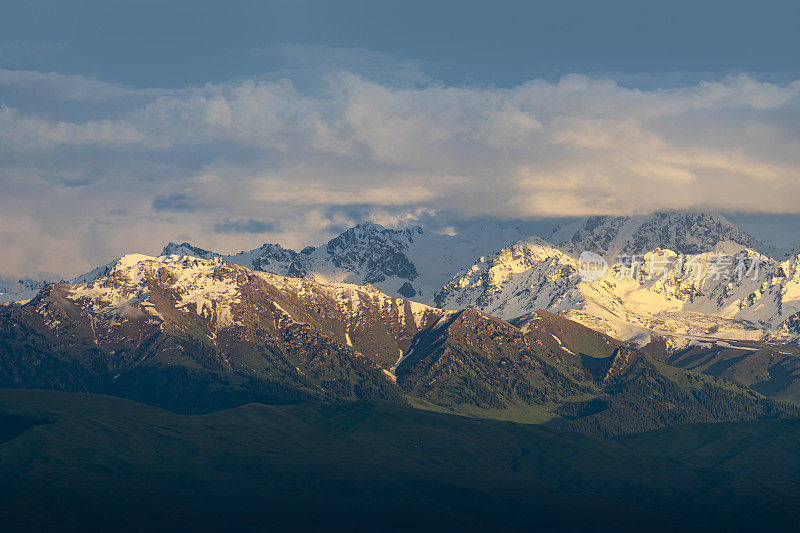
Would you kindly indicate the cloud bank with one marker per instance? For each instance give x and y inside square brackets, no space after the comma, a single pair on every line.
[90,170]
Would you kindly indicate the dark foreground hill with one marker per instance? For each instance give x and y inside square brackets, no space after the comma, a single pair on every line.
[76,462]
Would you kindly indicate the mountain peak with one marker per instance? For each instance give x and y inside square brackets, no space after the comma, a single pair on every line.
[368,228]
[688,232]
[368,224]
[185,248]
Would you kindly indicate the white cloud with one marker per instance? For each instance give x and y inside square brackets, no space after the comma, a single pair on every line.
[19,132]
[70,88]
[395,219]
[272,190]
[267,151]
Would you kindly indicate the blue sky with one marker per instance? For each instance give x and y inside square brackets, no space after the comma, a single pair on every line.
[124,125]
[179,43]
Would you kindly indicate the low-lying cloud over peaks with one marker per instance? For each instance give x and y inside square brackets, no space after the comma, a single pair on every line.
[232,165]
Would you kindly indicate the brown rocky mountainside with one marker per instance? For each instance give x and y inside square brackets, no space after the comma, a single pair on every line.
[195,335]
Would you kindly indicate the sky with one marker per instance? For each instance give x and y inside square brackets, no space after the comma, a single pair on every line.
[125,125]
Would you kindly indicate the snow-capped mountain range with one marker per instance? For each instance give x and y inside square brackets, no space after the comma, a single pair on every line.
[535,273]
[228,298]
[686,302]
[498,270]
[687,288]
[19,290]
[682,232]
[407,263]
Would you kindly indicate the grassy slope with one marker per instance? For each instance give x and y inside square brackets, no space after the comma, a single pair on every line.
[771,447]
[95,462]
[771,370]
[650,394]
[482,367]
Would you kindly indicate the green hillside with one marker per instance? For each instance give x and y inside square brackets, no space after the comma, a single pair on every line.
[89,463]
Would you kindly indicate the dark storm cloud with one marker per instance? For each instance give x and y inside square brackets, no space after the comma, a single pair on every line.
[250,225]
[176,202]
